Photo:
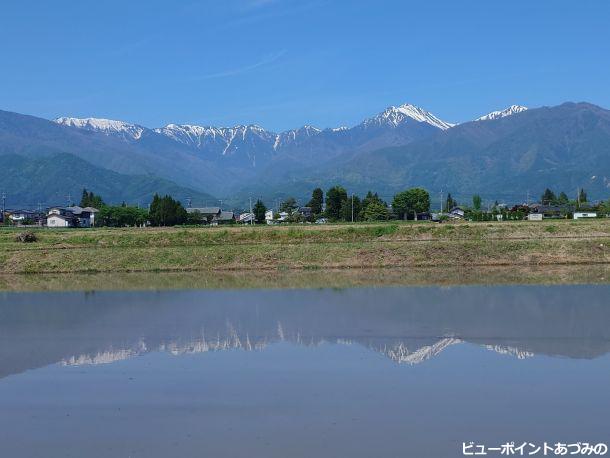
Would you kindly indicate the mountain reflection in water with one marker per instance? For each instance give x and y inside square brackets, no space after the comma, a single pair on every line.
[408,325]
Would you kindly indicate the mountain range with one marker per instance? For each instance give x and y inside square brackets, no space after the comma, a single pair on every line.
[501,155]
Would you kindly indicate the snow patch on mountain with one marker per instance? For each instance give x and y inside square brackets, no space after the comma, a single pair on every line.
[106,126]
[513,109]
[195,136]
[292,136]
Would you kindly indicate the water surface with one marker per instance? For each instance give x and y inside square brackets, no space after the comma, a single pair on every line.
[362,372]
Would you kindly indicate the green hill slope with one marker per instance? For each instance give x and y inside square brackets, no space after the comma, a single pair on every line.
[48,180]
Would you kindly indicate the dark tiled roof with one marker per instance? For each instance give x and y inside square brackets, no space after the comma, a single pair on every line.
[205,210]
[226,216]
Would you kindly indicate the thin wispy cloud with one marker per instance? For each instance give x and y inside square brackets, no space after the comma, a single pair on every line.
[268,10]
[255,4]
[266,60]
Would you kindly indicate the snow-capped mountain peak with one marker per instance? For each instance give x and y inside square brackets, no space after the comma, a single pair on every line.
[394,116]
[513,109]
[107,126]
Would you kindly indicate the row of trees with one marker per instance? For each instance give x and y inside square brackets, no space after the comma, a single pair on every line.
[163,211]
[340,206]
[550,198]
[336,205]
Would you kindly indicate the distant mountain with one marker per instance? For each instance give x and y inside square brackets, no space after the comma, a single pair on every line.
[513,109]
[561,147]
[239,143]
[50,179]
[501,155]
[109,127]
[108,148]
[252,147]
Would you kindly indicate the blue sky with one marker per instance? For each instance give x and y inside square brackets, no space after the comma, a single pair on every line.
[285,63]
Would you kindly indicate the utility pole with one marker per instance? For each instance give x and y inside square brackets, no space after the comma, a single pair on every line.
[3,205]
[352,208]
[441,201]
[220,200]
[189,202]
[528,198]
[69,199]
[251,214]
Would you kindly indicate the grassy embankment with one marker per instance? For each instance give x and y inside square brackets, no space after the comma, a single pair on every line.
[403,245]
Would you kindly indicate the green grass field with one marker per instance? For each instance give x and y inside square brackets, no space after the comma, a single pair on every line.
[392,244]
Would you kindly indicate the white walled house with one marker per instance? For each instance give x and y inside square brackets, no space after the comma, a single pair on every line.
[71,216]
[456,213]
[56,220]
[273,218]
[581,215]
[246,218]
[269,217]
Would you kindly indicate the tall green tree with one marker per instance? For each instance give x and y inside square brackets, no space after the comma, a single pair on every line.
[548,197]
[89,199]
[165,211]
[195,218]
[450,203]
[376,202]
[375,211]
[407,203]
[563,199]
[289,205]
[582,196]
[119,216]
[316,202]
[476,202]
[372,197]
[335,197]
[259,211]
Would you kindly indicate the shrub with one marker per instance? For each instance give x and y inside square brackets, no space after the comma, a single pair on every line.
[26,237]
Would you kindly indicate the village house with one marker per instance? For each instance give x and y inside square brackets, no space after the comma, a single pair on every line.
[207,213]
[26,217]
[423,216]
[305,212]
[549,211]
[74,216]
[456,213]
[246,218]
[274,218]
[535,217]
[213,215]
[581,215]
[225,217]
